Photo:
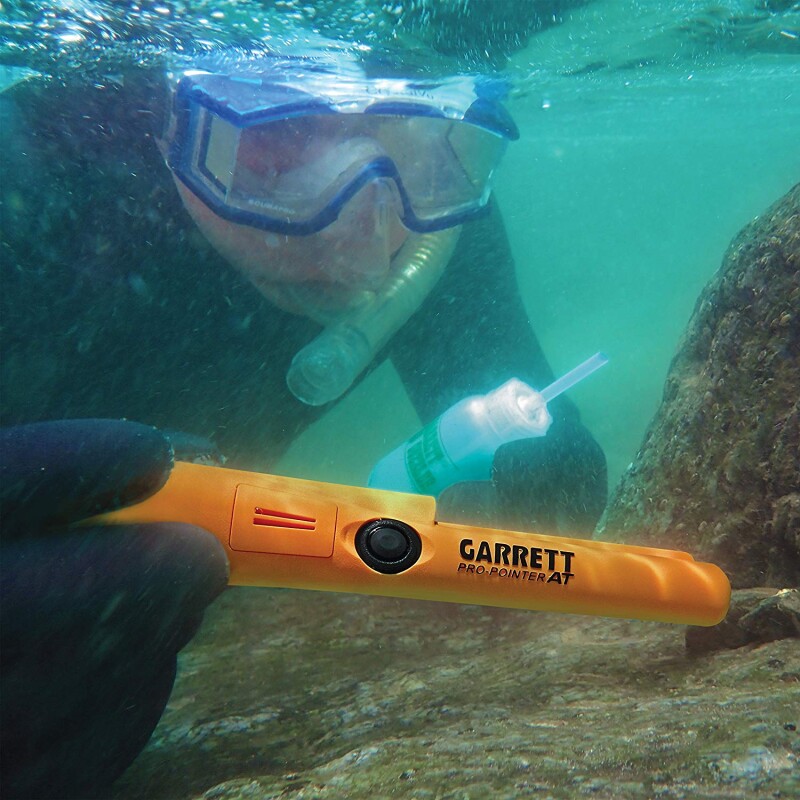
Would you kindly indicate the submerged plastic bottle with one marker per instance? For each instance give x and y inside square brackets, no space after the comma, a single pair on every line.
[461,443]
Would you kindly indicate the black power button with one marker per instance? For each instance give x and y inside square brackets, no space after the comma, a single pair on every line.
[388,545]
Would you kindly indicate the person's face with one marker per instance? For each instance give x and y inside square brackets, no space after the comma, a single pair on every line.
[335,266]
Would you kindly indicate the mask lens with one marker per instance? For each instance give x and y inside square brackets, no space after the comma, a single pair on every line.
[458,160]
[217,157]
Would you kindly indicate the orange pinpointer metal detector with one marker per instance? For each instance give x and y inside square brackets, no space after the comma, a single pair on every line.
[303,534]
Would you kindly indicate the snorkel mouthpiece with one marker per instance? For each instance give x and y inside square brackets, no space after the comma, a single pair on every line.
[326,368]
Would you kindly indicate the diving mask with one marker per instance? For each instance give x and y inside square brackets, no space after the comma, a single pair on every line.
[273,149]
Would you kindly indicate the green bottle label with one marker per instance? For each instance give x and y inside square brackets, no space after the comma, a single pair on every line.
[425,458]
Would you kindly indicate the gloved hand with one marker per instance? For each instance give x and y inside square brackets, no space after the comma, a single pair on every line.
[92,617]
[554,484]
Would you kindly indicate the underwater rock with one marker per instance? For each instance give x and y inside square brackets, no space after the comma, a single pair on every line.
[755,616]
[776,617]
[302,696]
[718,472]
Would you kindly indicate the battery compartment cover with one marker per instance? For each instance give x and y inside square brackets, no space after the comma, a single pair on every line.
[266,521]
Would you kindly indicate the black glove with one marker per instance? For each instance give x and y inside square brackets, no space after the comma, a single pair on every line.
[92,617]
[554,484]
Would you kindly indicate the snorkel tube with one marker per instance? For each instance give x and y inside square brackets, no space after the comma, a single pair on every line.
[326,368]
[293,533]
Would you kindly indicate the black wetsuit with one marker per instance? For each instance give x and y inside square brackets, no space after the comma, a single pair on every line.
[115,306]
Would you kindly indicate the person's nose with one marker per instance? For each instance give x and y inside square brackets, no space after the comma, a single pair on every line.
[372,231]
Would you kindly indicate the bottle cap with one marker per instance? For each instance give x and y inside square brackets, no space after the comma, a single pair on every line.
[515,411]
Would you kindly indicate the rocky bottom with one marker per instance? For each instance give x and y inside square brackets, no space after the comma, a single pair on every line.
[301,695]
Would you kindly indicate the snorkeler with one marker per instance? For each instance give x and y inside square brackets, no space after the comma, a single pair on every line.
[351,203]
[360,207]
